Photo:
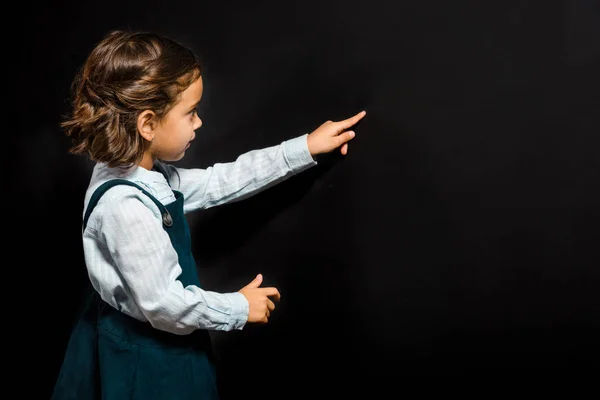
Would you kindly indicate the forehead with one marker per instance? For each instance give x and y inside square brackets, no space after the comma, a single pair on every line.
[192,94]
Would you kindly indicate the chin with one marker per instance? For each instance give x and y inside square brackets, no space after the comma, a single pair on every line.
[173,158]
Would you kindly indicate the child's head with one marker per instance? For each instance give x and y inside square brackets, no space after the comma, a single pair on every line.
[128,82]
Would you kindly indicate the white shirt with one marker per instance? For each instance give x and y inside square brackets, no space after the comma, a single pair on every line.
[129,256]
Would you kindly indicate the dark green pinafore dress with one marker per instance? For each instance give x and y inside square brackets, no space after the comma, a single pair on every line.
[112,356]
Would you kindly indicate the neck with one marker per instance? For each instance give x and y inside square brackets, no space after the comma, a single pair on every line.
[147,161]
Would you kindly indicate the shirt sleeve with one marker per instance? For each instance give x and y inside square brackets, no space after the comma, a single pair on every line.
[250,173]
[148,265]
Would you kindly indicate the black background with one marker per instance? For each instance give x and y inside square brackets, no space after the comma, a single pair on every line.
[458,237]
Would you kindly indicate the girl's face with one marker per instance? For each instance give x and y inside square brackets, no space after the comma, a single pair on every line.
[174,134]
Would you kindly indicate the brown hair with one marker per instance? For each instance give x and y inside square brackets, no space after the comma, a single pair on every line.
[125,74]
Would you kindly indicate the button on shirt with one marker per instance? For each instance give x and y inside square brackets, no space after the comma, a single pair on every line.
[129,256]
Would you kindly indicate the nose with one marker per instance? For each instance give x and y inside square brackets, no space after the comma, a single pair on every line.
[198,124]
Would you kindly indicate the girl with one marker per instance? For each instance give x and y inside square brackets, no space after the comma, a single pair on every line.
[143,333]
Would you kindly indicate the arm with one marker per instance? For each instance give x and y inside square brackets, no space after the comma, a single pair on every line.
[257,170]
[251,173]
[148,267]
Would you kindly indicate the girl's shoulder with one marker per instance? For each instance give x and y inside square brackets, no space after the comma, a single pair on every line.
[111,190]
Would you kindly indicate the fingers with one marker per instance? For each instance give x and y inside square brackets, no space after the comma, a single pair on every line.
[342,140]
[256,282]
[270,307]
[347,123]
[344,149]
[272,292]
[260,300]
[344,137]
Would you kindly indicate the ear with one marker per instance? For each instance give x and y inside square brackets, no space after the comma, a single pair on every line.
[146,123]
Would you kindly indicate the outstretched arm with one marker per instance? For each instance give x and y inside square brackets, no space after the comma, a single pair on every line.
[258,170]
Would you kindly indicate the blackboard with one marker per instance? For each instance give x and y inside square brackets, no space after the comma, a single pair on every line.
[456,239]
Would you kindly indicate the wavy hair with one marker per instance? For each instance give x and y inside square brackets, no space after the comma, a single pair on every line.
[125,74]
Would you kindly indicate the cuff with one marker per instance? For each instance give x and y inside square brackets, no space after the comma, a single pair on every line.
[239,311]
[297,155]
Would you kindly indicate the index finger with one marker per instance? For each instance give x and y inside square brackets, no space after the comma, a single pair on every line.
[272,292]
[347,123]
